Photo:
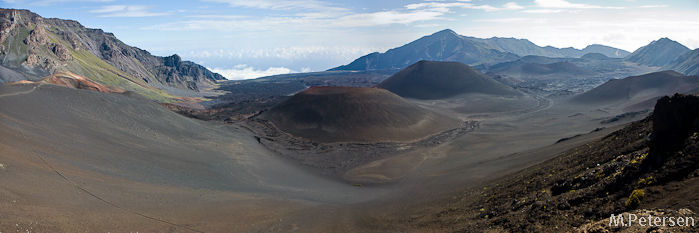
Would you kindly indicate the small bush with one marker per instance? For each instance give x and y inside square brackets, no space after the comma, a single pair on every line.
[648,181]
[635,198]
[599,175]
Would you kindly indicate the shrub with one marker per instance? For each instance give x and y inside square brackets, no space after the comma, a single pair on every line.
[646,182]
[635,198]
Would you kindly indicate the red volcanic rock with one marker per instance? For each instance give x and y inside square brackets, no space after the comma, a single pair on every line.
[360,114]
[70,80]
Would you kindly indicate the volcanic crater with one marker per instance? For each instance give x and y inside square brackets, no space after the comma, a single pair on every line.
[355,114]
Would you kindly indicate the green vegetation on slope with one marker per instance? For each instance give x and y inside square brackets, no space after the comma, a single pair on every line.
[94,68]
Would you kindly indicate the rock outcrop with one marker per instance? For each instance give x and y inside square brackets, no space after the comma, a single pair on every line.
[37,37]
[675,118]
[61,52]
[39,47]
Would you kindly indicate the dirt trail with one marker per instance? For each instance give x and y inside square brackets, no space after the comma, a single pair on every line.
[21,92]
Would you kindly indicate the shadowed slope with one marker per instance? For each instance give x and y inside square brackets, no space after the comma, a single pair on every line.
[84,161]
[530,70]
[438,80]
[334,114]
[687,64]
[639,89]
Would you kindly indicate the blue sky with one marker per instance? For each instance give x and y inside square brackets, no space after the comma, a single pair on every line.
[247,39]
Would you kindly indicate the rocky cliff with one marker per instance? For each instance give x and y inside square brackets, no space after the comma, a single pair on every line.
[32,47]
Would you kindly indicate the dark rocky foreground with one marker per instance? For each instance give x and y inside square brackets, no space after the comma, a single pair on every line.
[648,166]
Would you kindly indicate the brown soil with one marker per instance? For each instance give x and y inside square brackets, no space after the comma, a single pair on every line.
[336,158]
[355,114]
[88,161]
[585,184]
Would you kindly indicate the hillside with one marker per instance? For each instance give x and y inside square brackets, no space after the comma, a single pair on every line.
[76,161]
[438,80]
[595,56]
[355,114]
[32,47]
[648,167]
[687,64]
[70,80]
[658,53]
[643,89]
[528,70]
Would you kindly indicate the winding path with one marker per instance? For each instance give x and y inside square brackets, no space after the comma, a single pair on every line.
[544,104]
[21,92]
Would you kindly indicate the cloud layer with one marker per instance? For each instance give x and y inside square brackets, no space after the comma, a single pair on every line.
[126,11]
[240,72]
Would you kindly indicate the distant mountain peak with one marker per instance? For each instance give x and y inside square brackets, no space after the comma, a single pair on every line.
[447,45]
[445,31]
[658,53]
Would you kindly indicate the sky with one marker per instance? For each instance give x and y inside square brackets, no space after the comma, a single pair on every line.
[243,39]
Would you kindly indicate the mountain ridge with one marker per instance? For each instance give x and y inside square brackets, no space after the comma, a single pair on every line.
[658,53]
[33,47]
[444,45]
[447,45]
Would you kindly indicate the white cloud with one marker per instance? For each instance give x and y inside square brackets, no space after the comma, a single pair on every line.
[515,20]
[639,26]
[445,7]
[512,6]
[430,25]
[303,22]
[386,17]
[243,71]
[287,5]
[318,15]
[654,6]
[51,2]
[545,11]
[568,5]
[219,16]
[289,53]
[228,25]
[126,11]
